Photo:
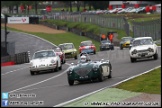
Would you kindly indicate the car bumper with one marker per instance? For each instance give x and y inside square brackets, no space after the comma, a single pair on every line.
[106,47]
[87,50]
[89,76]
[142,55]
[70,55]
[38,68]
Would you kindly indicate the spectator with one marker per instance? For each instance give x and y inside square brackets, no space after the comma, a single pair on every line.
[111,37]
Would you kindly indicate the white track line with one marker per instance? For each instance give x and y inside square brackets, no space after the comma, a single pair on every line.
[75,99]
[13,71]
[39,82]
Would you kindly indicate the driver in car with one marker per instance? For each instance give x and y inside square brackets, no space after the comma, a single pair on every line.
[83,59]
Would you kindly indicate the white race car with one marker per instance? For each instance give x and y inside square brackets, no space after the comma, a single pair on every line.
[45,60]
[143,47]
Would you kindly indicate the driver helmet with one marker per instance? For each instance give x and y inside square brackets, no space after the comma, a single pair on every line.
[83,59]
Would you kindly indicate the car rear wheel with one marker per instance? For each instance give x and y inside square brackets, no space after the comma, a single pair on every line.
[155,56]
[71,82]
[100,49]
[133,59]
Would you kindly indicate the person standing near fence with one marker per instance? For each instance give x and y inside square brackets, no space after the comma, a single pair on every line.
[111,36]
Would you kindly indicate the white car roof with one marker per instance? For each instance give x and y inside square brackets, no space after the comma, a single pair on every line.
[86,41]
[44,50]
[142,38]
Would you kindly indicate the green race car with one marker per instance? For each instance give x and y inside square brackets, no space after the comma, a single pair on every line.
[69,50]
[89,70]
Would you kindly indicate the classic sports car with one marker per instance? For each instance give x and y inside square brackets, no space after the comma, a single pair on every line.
[87,46]
[143,47]
[45,60]
[125,42]
[89,70]
[61,54]
[69,50]
[106,44]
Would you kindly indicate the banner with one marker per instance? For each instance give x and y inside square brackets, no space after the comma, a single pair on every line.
[18,20]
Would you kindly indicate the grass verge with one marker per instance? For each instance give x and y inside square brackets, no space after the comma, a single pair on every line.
[148,83]
[61,38]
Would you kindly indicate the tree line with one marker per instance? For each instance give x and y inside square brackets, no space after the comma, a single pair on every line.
[14,5]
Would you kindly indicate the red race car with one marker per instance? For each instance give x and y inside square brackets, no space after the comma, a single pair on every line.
[61,54]
[87,47]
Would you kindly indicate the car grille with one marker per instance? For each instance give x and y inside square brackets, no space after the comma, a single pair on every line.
[82,72]
[67,54]
[142,50]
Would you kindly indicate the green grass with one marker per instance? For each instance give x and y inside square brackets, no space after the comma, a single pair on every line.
[148,83]
[61,38]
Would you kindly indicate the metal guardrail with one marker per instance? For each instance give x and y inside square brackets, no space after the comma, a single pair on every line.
[17,58]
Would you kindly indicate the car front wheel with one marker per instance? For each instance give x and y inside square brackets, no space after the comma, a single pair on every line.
[121,47]
[75,57]
[71,82]
[31,72]
[56,69]
[101,77]
[133,59]
[155,56]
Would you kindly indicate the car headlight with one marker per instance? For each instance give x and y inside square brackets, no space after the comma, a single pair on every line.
[70,71]
[134,51]
[150,49]
[95,67]
[52,61]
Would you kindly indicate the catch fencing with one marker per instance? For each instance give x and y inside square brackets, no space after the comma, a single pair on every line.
[147,29]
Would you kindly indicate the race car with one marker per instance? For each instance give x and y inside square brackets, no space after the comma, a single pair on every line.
[69,50]
[143,47]
[88,70]
[61,54]
[106,45]
[44,60]
[125,42]
[87,46]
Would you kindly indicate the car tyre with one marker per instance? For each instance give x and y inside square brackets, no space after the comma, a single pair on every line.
[75,57]
[121,47]
[60,68]
[56,69]
[133,59]
[31,72]
[100,49]
[94,52]
[109,76]
[71,82]
[112,48]
[101,77]
[155,56]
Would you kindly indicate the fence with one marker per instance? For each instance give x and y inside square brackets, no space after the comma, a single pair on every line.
[148,28]
[103,21]
[17,58]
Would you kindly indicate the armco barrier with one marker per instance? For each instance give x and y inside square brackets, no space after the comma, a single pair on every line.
[8,63]
[19,58]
